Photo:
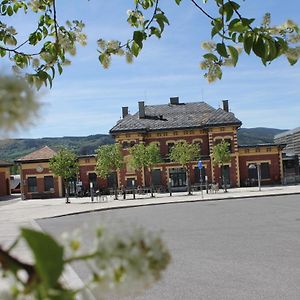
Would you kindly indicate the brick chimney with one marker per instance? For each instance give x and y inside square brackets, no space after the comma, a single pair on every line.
[225,105]
[174,100]
[142,109]
[124,111]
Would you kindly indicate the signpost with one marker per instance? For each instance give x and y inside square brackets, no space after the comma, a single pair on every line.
[92,191]
[200,166]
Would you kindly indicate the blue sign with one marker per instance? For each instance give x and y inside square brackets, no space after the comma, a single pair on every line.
[200,165]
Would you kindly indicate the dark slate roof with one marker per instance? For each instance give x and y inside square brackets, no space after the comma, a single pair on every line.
[42,154]
[176,116]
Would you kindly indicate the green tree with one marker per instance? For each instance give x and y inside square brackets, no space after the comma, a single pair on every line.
[184,153]
[45,51]
[49,47]
[109,159]
[221,155]
[65,165]
[143,156]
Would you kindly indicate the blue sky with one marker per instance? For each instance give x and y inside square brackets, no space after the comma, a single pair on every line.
[87,99]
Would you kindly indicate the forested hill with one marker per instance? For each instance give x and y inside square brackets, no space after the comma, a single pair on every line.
[12,149]
[258,135]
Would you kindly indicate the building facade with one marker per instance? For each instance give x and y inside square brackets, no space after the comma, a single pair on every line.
[37,181]
[291,154]
[4,178]
[199,123]
[164,125]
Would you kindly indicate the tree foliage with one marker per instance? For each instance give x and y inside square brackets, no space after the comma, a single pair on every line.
[144,156]
[48,48]
[109,159]
[64,164]
[115,265]
[221,154]
[184,153]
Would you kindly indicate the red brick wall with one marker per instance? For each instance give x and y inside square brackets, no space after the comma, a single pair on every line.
[40,184]
[3,185]
[232,172]
[164,147]
[274,167]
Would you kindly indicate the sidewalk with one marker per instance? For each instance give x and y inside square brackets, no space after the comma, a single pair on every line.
[23,213]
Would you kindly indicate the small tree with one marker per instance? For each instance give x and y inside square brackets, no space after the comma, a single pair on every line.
[221,155]
[65,165]
[109,159]
[145,156]
[184,154]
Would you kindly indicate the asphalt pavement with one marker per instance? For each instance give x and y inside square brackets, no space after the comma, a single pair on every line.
[239,249]
[17,213]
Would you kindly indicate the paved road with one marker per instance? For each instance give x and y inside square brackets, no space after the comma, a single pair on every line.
[238,249]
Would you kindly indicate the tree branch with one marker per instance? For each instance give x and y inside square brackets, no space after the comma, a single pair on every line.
[202,10]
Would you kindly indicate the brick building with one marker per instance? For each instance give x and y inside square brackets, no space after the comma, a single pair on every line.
[4,178]
[164,125]
[199,123]
[37,181]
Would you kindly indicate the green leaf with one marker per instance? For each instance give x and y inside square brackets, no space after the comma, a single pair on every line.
[9,11]
[48,255]
[221,49]
[162,17]
[292,61]
[248,42]
[138,37]
[259,47]
[16,7]
[210,56]
[2,52]
[234,54]
[227,10]
[236,26]
[217,26]
[178,1]
[60,69]
[135,49]
[271,49]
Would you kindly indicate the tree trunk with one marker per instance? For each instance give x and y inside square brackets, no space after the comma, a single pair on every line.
[188,181]
[224,179]
[116,192]
[67,191]
[116,185]
[150,181]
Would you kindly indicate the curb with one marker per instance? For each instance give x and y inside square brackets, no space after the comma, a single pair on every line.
[165,203]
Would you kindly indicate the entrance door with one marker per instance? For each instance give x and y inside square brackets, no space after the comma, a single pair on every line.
[178,177]
[226,170]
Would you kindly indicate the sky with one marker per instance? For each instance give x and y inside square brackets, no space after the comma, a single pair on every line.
[86,99]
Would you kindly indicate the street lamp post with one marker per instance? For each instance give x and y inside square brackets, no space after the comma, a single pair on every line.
[257,167]
[200,166]
[170,186]
[92,191]
[133,190]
